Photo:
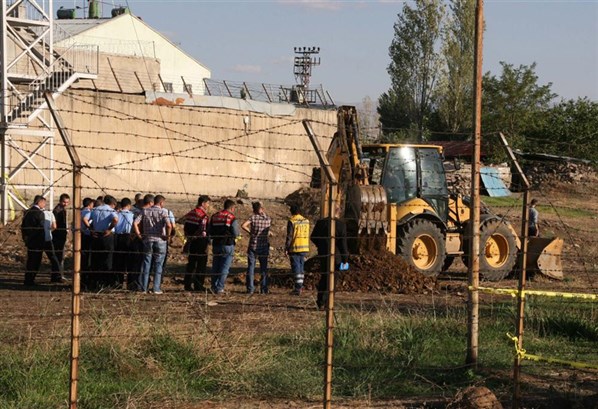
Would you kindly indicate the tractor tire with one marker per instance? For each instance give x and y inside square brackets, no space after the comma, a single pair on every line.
[421,243]
[498,250]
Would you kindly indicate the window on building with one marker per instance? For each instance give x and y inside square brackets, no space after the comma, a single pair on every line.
[168,87]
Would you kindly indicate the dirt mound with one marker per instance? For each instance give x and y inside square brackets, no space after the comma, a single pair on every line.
[308,200]
[384,272]
[475,397]
[380,272]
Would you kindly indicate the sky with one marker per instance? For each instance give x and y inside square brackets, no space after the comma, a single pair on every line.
[253,41]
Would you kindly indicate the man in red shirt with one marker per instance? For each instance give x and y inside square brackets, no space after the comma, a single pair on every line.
[196,233]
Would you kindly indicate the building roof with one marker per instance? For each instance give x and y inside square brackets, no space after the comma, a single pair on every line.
[64,29]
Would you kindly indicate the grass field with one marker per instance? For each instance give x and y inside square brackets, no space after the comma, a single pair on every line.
[380,355]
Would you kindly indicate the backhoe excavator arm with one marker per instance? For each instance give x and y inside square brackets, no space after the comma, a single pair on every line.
[364,206]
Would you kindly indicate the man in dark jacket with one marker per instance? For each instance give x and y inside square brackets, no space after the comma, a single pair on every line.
[196,233]
[32,230]
[320,236]
[60,234]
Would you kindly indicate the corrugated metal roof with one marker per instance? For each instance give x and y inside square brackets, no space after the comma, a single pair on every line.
[493,183]
[457,149]
[64,29]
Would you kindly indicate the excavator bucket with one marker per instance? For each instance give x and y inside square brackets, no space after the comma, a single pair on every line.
[366,218]
[367,205]
[544,257]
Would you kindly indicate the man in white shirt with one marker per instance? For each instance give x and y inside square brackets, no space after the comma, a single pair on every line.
[49,226]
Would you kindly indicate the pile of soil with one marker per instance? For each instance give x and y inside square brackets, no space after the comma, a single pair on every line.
[380,272]
[475,397]
[375,269]
[308,200]
[383,272]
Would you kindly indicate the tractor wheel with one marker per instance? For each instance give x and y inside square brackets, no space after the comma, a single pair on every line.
[498,250]
[421,244]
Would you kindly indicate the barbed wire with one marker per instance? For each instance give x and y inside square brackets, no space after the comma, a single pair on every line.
[119,115]
[176,301]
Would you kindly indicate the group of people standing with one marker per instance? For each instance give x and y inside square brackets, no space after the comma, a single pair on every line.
[132,238]
[117,238]
[222,230]
[45,231]
[124,238]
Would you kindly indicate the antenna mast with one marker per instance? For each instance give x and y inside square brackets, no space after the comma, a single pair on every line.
[304,61]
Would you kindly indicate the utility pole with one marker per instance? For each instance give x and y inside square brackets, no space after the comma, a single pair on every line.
[474,232]
[332,186]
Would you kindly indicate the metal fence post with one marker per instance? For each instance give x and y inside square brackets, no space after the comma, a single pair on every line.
[76,291]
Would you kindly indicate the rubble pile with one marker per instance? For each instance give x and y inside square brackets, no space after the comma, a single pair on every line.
[551,173]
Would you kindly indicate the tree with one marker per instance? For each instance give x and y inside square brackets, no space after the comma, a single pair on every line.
[568,129]
[455,99]
[511,103]
[414,68]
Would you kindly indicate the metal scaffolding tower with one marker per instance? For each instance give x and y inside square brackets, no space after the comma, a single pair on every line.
[31,66]
[27,55]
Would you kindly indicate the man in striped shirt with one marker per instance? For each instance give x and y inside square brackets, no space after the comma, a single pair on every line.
[156,227]
[258,227]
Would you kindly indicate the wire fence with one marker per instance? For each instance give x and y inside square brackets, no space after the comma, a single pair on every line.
[399,335]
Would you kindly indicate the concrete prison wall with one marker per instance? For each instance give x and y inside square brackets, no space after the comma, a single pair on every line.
[128,145]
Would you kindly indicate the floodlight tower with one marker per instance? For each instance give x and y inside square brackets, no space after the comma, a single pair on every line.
[304,61]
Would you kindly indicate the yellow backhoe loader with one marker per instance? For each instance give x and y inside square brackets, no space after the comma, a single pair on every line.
[397,195]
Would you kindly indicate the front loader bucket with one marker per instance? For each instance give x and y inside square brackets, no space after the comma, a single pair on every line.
[544,257]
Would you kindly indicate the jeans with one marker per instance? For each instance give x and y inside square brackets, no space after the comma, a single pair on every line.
[54,264]
[153,256]
[222,260]
[262,256]
[297,264]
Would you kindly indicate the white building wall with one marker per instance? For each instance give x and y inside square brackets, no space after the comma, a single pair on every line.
[127,35]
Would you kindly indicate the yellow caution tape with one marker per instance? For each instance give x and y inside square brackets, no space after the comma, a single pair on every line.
[502,291]
[11,206]
[180,235]
[514,293]
[15,191]
[522,354]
